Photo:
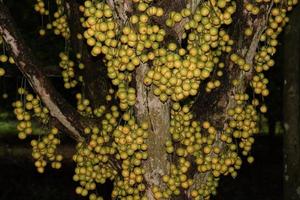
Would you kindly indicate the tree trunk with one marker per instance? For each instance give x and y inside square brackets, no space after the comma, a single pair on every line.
[150,109]
[291,109]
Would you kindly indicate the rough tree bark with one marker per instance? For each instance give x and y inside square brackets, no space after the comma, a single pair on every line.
[291,108]
[150,109]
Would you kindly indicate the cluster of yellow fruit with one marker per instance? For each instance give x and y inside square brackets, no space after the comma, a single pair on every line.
[34,104]
[236,59]
[90,175]
[27,107]
[24,126]
[129,142]
[177,72]
[125,143]
[206,189]
[68,72]
[182,127]
[92,166]
[259,84]
[177,179]
[46,150]
[98,112]
[243,125]
[59,24]
[176,17]
[126,96]
[200,140]
[263,59]
[39,7]
[83,105]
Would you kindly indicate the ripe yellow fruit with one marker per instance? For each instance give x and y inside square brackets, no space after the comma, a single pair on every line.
[2,72]
[42,32]
[250,159]
[248,32]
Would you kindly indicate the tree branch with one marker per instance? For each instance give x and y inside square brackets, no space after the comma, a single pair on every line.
[120,8]
[151,110]
[59,108]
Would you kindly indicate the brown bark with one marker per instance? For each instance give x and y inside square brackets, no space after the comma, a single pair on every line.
[150,109]
[26,62]
[291,106]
